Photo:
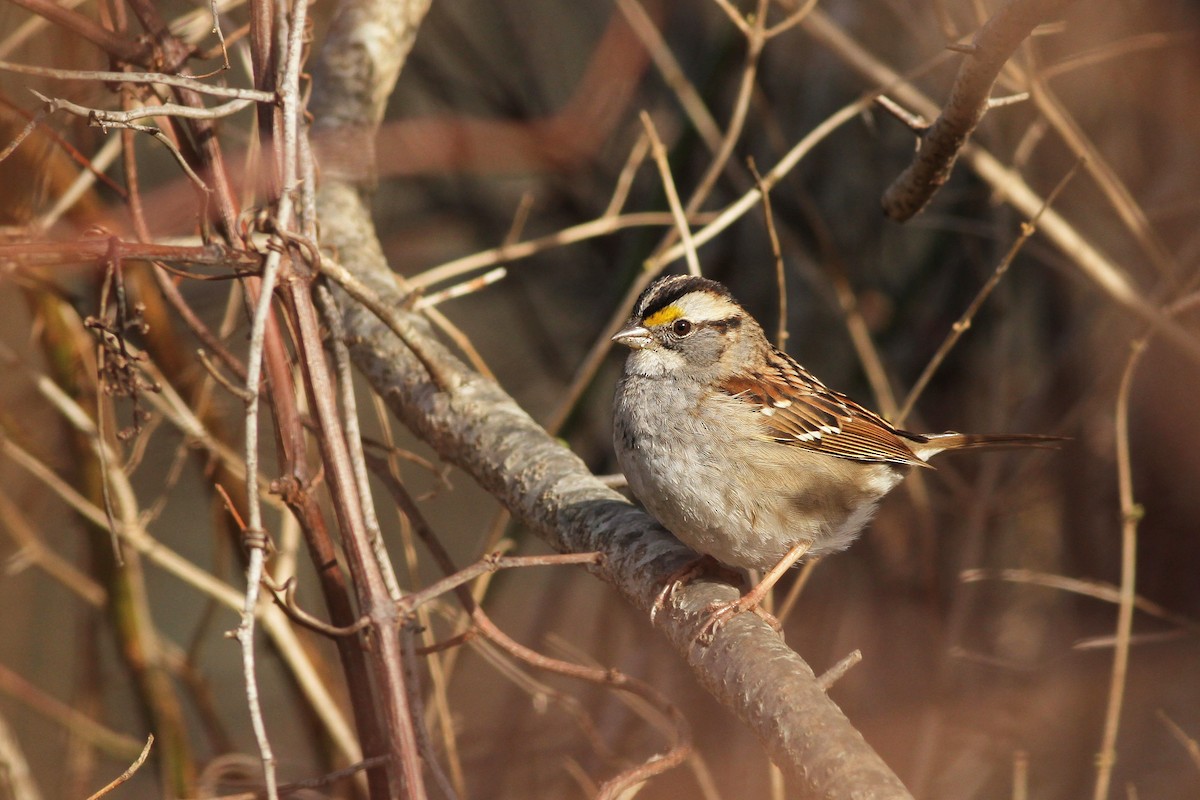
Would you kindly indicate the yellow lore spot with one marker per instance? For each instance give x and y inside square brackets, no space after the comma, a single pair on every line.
[663,316]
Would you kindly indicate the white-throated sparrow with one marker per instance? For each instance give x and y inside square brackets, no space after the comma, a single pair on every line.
[738,450]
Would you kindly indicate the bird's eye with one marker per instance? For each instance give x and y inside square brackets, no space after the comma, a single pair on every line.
[681,327]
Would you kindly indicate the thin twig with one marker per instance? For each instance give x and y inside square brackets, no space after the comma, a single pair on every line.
[333,777]
[601,226]
[633,162]
[388,316]
[781,336]
[1020,789]
[333,318]
[178,156]
[285,598]
[1106,758]
[30,126]
[835,673]
[104,118]
[255,535]
[964,322]
[140,77]
[218,376]
[659,152]
[1007,100]
[1098,590]
[216,28]
[740,207]
[1116,49]
[793,594]
[18,779]
[734,15]
[1119,197]
[416,701]
[111,43]
[915,122]
[1190,745]
[673,75]
[792,20]
[461,289]
[129,772]
[31,550]
[98,249]
[488,564]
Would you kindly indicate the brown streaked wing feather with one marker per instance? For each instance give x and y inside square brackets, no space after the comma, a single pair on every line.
[797,409]
[866,440]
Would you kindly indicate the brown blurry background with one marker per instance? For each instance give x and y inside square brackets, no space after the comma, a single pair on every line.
[528,109]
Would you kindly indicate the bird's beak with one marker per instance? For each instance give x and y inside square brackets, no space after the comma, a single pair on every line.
[633,335]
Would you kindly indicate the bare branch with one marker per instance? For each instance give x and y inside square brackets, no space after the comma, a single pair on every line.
[659,152]
[182,81]
[1106,758]
[964,322]
[991,48]
[835,673]
[1099,590]
[99,248]
[1187,742]
[104,118]
[1091,263]
[601,226]
[129,772]
[736,210]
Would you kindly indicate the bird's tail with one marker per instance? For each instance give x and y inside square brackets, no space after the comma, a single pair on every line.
[940,442]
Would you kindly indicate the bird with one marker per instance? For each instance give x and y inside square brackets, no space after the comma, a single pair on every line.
[742,453]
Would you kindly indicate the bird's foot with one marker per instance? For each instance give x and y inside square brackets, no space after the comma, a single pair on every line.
[720,613]
[752,600]
[686,574]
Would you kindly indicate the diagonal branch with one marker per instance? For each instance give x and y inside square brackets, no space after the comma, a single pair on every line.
[941,143]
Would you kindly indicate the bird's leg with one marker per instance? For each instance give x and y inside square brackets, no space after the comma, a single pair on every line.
[752,600]
[685,574]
